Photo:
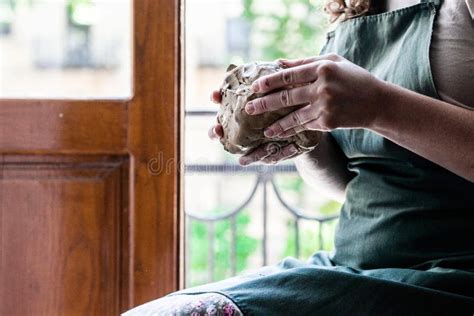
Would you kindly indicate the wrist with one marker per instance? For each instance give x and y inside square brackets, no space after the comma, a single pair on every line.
[383,100]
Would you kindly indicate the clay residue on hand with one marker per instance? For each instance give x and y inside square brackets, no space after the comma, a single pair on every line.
[243,132]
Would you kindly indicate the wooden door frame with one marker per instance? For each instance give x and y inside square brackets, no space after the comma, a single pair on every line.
[145,128]
[156,116]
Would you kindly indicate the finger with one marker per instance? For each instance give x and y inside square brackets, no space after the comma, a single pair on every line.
[292,132]
[288,133]
[280,99]
[299,74]
[287,77]
[260,153]
[216,131]
[286,152]
[296,120]
[303,61]
[216,96]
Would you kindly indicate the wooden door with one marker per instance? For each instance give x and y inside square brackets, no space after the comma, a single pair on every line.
[86,228]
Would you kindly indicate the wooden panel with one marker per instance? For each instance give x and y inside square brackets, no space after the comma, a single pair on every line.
[60,243]
[63,126]
[154,133]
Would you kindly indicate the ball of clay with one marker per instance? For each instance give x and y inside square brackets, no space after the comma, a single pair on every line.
[243,132]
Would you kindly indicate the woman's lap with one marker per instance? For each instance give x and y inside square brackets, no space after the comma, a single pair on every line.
[318,287]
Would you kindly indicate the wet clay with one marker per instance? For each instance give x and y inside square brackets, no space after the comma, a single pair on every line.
[243,132]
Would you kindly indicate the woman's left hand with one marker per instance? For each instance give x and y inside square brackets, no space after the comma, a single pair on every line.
[337,94]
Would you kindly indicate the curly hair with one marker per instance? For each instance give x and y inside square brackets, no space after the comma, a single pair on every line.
[339,9]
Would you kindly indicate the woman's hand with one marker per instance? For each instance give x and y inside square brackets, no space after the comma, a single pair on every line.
[216,131]
[268,153]
[340,94]
[337,94]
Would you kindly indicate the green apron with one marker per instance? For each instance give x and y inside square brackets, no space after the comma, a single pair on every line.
[405,239]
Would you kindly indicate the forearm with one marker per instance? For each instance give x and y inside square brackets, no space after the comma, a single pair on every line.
[436,130]
[325,168]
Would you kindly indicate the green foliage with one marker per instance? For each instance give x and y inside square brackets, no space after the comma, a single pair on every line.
[330,208]
[199,245]
[7,8]
[9,3]
[73,4]
[286,28]
[309,239]
[73,7]
[15,3]
[291,183]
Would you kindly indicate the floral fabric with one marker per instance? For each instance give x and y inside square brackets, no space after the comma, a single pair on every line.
[208,304]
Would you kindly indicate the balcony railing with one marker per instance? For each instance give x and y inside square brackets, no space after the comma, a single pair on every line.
[264,183]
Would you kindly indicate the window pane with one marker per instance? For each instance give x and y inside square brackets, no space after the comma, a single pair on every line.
[220,243]
[65,48]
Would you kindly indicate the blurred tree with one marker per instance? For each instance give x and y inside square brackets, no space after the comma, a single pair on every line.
[199,245]
[7,8]
[10,3]
[285,28]
[309,239]
[80,12]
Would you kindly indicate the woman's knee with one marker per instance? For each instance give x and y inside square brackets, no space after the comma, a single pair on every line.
[184,305]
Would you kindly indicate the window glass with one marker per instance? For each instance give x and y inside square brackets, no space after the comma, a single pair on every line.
[224,237]
[65,48]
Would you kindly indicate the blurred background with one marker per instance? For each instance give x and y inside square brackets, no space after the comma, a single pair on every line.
[236,218]
[65,48]
[243,218]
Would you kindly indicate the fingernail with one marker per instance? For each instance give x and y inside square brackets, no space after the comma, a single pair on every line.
[250,108]
[255,87]
[268,133]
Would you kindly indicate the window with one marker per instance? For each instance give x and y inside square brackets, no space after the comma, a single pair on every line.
[224,234]
[65,48]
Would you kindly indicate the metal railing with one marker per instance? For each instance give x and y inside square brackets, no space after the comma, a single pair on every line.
[264,179]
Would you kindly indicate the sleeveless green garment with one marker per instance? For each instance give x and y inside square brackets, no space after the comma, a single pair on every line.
[405,239]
